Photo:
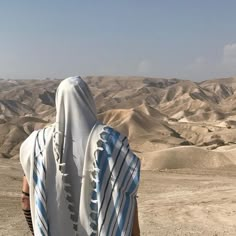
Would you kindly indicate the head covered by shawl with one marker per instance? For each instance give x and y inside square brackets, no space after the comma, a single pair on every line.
[75,118]
[82,176]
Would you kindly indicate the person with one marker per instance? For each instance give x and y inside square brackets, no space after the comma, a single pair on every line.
[81,178]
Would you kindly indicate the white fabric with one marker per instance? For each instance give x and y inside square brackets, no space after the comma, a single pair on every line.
[76,116]
[114,172]
[69,152]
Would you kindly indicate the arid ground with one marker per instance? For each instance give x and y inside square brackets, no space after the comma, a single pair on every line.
[184,133]
[177,202]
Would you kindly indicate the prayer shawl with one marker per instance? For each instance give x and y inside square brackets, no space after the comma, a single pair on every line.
[82,175]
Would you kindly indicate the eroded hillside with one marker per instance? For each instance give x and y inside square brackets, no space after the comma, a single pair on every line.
[154,113]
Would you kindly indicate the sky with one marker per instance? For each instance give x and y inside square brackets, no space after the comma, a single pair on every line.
[185,39]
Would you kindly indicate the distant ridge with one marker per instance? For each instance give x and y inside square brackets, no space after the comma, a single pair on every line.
[155,113]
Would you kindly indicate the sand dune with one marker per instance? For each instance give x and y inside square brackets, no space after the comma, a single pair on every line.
[188,157]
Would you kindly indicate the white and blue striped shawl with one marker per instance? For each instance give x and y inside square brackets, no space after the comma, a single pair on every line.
[107,193]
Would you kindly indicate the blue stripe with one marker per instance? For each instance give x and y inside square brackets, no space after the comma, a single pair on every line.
[41,165]
[123,217]
[113,187]
[41,208]
[35,177]
[43,223]
[124,213]
[102,161]
[110,174]
[113,213]
[124,195]
[134,160]
[109,148]
[119,194]
[39,147]
[38,182]
[40,162]
[40,190]
[41,230]
[127,203]
[42,194]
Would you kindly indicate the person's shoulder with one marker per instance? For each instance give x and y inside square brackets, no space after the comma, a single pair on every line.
[29,141]
[26,148]
[109,136]
[106,132]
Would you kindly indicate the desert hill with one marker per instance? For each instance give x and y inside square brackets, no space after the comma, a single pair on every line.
[184,133]
[188,157]
[155,113]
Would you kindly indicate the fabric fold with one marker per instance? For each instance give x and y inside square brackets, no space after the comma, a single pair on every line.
[82,175]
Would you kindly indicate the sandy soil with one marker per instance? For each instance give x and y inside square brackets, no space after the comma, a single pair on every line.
[12,219]
[176,202]
[188,202]
[184,132]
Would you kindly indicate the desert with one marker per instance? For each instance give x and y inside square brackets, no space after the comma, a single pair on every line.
[184,132]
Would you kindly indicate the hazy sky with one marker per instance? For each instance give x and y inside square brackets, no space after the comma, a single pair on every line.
[188,39]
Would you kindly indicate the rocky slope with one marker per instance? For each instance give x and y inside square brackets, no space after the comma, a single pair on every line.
[154,113]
